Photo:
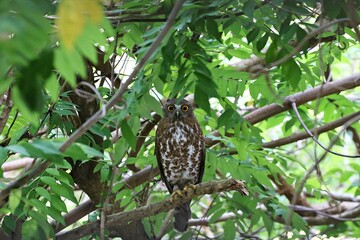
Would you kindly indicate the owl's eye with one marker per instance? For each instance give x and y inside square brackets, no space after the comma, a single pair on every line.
[171,108]
[185,108]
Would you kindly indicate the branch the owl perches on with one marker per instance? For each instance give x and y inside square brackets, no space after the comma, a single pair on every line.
[121,218]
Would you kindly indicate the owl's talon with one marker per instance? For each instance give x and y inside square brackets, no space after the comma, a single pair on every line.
[175,196]
[189,189]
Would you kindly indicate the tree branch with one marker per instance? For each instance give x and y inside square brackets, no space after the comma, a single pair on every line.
[152,209]
[8,104]
[325,220]
[300,136]
[74,215]
[302,97]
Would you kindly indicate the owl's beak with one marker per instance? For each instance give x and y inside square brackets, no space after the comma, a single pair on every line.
[177,113]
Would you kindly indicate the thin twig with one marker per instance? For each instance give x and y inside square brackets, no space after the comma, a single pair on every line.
[12,124]
[8,105]
[165,225]
[105,209]
[205,221]
[314,138]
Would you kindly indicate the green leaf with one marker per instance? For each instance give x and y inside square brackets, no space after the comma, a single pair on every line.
[298,222]
[47,147]
[89,151]
[48,180]
[14,198]
[202,99]
[69,63]
[75,152]
[128,134]
[39,205]
[121,148]
[18,149]
[56,215]
[291,72]
[41,220]
[31,116]
[153,104]
[57,203]
[64,190]
[213,29]
[8,224]
[256,217]
[229,230]
[300,34]
[217,215]
[31,230]
[263,178]
[86,47]
[53,87]
[43,192]
[271,53]
[239,53]
[105,173]
[251,36]
[268,222]
[124,193]
[249,7]
[260,44]
[128,40]
[225,118]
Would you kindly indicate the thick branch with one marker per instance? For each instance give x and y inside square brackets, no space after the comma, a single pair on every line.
[303,97]
[355,137]
[163,206]
[324,220]
[85,208]
[300,136]
[73,216]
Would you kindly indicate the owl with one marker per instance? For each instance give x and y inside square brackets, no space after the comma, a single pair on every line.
[180,153]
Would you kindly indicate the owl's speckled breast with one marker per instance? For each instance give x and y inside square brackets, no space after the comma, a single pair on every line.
[180,153]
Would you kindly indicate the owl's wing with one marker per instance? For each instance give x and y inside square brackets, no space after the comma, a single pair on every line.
[160,165]
[202,164]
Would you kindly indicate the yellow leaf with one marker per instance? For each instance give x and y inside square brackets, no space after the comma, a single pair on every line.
[72,16]
[94,11]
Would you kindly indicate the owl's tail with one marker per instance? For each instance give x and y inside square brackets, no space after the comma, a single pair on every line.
[182,215]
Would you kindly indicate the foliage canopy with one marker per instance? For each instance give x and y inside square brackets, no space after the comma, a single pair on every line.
[80,88]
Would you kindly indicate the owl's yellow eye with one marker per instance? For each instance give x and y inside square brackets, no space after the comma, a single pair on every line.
[171,108]
[185,108]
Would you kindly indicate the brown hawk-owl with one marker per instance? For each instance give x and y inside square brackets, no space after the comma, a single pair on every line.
[180,153]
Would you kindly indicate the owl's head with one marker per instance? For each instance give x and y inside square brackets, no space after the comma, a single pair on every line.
[178,109]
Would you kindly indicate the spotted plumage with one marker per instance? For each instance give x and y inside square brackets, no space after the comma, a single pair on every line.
[180,152]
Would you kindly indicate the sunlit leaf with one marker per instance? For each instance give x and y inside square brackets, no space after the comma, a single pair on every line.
[14,198]
[73,15]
